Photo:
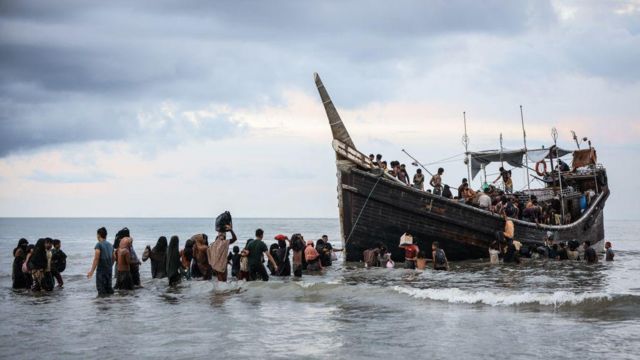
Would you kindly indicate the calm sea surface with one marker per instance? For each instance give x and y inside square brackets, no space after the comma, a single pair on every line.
[539,309]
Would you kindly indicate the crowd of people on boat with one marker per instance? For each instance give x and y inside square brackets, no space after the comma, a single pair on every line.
[490,197]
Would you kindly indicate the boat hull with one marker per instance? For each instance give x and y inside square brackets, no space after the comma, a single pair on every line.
[371,217]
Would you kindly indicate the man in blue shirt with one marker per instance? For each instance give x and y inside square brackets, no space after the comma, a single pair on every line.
[102,262]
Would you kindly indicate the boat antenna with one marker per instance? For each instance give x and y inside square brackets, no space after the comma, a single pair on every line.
[465,142]
[526,157]
[501,149]
[554,135]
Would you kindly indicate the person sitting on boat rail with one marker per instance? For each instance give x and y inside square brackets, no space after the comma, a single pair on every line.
[378,160]
[436,182]
[505,175]
[418,180]
[404,175]
[373,159]
[484,200]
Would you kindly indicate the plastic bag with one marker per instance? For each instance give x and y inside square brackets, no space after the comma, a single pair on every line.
[223,220]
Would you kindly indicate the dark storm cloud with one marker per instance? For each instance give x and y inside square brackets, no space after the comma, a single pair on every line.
[73,71]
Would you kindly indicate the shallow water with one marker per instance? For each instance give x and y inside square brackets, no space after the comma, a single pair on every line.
[550,309]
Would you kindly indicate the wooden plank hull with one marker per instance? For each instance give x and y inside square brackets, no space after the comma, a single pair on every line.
[463,231]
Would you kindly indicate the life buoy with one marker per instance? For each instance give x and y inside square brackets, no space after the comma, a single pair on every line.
[544,168]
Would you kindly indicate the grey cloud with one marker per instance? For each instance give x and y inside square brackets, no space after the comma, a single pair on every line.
[72,71]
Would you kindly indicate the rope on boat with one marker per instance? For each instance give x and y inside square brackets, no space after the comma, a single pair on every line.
[362,210]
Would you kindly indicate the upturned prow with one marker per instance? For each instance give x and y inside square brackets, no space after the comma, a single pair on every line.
[338,129]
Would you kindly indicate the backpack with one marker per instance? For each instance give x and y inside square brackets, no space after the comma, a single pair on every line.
[441,259]
[61,261]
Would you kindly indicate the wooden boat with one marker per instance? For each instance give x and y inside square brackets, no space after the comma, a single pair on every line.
[375,208]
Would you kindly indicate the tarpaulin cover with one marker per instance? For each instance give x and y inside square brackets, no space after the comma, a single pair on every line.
[584,157]
[511,157]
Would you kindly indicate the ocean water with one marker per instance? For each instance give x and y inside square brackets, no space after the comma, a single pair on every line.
[537,309]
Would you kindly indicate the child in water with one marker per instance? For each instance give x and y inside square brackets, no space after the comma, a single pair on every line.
[58,262]
[234,260]
[609,254]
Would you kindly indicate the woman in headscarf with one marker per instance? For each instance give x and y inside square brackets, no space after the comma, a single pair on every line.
[297,245]
[173,265]
[158,256]
[19,256]
[123,279]
[273,250]
[26,267]
[282,256]
[200,257]
[313,257]
[186,256]
[40,266]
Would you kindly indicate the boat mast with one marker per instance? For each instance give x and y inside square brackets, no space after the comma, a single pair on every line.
[501,149]
[554,135]
[338,129]
[465,142]
[526,157]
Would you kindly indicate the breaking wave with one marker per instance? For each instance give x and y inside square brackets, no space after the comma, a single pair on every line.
[458,296]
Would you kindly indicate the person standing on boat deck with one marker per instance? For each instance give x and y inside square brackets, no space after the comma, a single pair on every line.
[436,182]
[373,159]
[418,180]
[102,263]
[589,253]
[257,249]
[218,251]
[446,192]
[609,252]
[404,175]
[505,175]
[439,258]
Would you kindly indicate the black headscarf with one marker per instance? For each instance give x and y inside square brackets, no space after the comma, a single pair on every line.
[22,244]
[124,232]
[188,249]
[173,257]
[161,245]
[39,257]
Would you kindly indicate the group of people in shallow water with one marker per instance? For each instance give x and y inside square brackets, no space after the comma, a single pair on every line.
[414,258]
[200,259]
[38,266]
[510,250]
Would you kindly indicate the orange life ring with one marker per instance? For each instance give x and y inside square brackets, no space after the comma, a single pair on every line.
[544,168]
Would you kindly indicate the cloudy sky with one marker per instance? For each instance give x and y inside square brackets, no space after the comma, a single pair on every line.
[188,108]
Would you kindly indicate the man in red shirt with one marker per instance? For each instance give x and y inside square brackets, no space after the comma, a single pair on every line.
[410,254]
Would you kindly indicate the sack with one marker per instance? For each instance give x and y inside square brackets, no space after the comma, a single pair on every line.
[440,258]
[406,239]
[223,220]
[334,256]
